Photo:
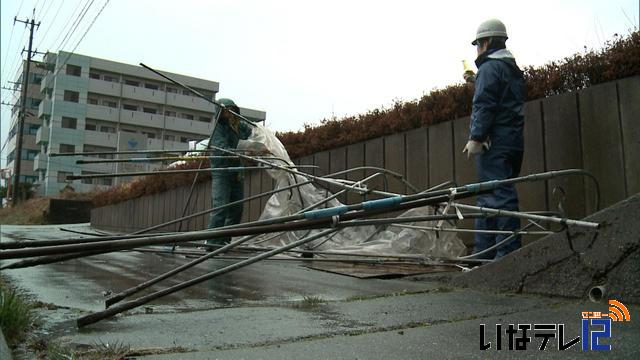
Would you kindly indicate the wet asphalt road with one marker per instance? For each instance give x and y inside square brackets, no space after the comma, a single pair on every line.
[258,312]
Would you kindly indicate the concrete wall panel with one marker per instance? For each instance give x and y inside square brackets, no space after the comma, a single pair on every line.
[465,171]
[394,160]
[532,195]
[256,183]
[563,151]
[355,158]
[338,162]
[306,160]
[629,95]
[374,156]
[440,153]
[602,144]
[417,170]
[322,160]
[246,207]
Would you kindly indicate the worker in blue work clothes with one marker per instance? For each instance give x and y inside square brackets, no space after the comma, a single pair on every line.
[227,186]
[496,132]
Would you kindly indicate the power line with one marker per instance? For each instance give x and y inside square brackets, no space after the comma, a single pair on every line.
[83,35]
[75,24]
[12,68]
[50,24]
[65,25]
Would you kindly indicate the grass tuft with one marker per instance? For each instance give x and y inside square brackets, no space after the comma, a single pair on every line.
[16,315]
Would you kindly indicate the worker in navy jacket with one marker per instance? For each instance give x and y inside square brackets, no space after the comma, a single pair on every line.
[496,133]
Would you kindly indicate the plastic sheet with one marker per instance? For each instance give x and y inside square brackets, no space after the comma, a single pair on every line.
[385,240]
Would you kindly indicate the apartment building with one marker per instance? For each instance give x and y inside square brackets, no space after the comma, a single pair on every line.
[90,104]
[32,123]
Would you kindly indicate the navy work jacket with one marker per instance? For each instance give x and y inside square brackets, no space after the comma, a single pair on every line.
[498,101]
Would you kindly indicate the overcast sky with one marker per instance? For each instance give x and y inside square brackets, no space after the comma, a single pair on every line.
[303,61]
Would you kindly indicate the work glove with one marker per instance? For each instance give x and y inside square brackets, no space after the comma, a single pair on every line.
[475,147]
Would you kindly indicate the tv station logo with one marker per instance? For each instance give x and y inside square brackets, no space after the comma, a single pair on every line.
[596,329]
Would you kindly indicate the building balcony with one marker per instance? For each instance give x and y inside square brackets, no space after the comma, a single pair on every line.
[143,94]
[190,126]
[44,109]
[104,168]
[102,112]
[47,83]
[104,87]
[40,162]
[42,135]
[101,139]
[138,118]
[189,102]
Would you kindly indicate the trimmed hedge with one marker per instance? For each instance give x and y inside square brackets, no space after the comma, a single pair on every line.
[616,60]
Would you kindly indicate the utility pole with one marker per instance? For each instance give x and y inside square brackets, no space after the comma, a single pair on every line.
[15,193]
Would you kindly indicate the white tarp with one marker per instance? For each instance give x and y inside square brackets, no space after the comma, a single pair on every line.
[387,240]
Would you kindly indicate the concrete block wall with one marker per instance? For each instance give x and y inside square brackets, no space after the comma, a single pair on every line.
[597,129]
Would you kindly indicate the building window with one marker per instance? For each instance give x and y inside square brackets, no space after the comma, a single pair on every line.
[184,139]
[90,127]
[149,110]
[66,148]
[105,181]
[94,76]
[187,116]
[107,129]
[69,122]
[151,86]
[170,113]
[111,104]
[149,135]
[37,78]
[33,129]
[31,154]
[132,82]
[62,176]
[170,137]
[172,90]
[129,131]
[130,107]
[74,70]
[33,103]
[92,101]
[110,78]
[186,92]
[72,96]
[204,119]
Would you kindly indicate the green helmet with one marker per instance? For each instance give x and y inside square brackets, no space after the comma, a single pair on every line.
[228,103]
[490,28]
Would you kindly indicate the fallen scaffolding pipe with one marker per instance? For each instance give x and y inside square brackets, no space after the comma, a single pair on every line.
[97,316]
[128,292]
[160,159]
[166,172]
[523,215]
[393,204]
[309,220]
[135,152]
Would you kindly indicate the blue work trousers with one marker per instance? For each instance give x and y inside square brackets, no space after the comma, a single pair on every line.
[226,187]
[498,164]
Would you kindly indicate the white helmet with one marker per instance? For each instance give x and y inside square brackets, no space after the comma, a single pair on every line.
[490,28]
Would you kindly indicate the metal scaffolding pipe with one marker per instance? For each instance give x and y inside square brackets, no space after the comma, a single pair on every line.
[166,172]
[171,158]
[309,220]
[522,215]
[123,294]
[92,318]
